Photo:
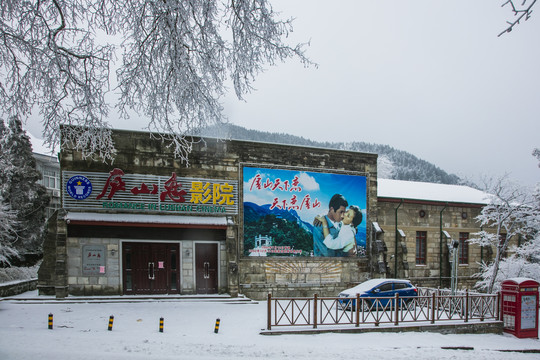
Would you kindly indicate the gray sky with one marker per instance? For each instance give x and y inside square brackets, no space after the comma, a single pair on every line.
[430,77]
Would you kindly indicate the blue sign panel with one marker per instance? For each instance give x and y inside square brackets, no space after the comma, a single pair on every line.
[79,187]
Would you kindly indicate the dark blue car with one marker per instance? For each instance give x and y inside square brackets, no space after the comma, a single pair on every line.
[383,289]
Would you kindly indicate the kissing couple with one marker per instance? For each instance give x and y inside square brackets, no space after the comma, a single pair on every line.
[334,234]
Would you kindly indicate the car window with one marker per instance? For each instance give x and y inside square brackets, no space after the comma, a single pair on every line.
[398,286]
[385,287]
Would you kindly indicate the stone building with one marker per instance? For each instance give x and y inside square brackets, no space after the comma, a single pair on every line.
[145,224]
[239,220]
[419,225]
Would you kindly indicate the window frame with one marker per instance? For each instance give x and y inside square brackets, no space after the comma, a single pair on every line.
[421,248]
[463,258]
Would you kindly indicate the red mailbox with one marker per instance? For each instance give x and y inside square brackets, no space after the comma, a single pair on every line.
[520,307]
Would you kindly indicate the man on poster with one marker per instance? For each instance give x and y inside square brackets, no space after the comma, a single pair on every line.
[336,210]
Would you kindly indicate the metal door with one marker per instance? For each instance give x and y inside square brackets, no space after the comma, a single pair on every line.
[150,268]
[206,268]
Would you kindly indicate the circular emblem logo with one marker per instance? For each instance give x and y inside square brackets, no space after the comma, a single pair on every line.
[79,187]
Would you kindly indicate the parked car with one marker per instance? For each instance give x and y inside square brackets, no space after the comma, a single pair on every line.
[384,290]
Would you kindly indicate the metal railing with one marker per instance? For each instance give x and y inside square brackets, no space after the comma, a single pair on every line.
[318,311]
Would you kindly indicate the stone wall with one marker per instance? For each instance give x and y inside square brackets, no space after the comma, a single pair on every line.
[298,277]
[53,272]
[17,287]
[102,284]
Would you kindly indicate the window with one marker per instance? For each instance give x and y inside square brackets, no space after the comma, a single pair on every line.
[421,239]
[398,286]
[463,248]
[51,179]
[385,287]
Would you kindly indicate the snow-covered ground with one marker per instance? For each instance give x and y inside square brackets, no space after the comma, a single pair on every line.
[80,332]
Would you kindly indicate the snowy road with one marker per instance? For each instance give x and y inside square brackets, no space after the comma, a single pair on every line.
[80,332]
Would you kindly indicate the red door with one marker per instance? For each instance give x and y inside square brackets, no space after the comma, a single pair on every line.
[150,268]
[206,268]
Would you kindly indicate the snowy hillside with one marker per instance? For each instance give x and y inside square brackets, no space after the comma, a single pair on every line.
[393,164]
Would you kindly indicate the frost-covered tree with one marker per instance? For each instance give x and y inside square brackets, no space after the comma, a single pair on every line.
[536,153]
[22,194]
[7,227]
[177,58]
[7,215]
[513,213]
[525,260]
[385,167]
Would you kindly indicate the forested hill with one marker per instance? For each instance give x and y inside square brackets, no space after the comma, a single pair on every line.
[392,163]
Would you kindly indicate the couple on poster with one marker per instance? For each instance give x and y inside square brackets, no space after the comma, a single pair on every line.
[334,234]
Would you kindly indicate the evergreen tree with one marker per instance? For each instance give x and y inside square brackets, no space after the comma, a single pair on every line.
[20,190]
[7,216]
[7,226]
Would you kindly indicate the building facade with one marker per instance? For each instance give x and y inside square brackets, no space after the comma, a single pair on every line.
[49,167]
[422,224]
[240,219]
[152,225]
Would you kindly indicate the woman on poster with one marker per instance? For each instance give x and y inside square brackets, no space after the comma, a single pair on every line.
[346,239]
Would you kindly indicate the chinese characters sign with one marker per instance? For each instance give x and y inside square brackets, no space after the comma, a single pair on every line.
[136,192]
[93,260]
[280,206]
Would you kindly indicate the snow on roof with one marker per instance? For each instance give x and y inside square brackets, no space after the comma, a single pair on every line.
[400,189]
[146,219]
[519,280]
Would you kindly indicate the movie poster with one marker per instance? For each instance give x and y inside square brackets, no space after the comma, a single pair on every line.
[281,207]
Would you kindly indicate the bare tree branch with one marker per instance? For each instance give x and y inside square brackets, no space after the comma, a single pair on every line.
[177,57]
[521,11]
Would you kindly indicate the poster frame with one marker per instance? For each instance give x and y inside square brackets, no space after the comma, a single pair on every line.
[241,240]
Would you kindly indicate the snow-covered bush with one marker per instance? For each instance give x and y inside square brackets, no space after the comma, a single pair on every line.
[18,273]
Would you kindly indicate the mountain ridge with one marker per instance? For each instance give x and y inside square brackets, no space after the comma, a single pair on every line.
[392,163]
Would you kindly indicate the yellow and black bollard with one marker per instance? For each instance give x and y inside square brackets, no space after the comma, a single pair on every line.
[217,326]
[50,321]
[160,324]
[111,320]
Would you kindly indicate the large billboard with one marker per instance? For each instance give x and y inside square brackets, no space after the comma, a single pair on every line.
[303,213]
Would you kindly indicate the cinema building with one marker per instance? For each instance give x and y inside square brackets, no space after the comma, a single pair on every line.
[237,220]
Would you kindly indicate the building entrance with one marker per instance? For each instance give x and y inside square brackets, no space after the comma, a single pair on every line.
[206,268]
[150,268]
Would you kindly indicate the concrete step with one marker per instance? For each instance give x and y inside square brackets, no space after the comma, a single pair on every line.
[129,299]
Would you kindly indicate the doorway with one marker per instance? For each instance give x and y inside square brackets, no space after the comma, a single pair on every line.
[150,268]
[206,268]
